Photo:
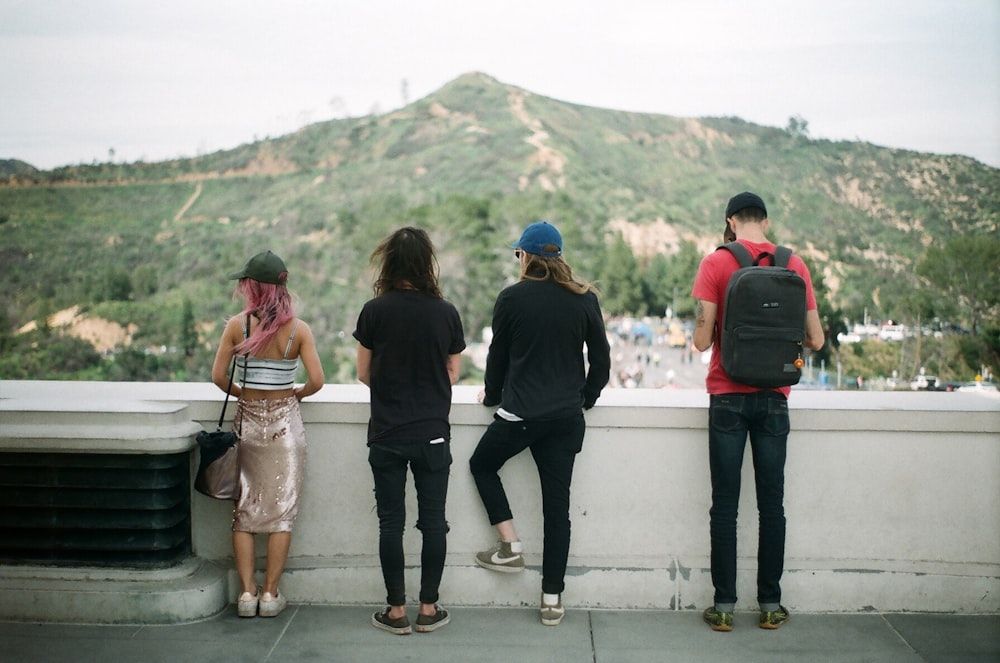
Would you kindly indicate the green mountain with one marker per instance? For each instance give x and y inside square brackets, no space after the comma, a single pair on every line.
[149,244]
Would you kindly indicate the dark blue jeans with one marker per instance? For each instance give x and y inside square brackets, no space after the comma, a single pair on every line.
[554,445]
[763,416]
[430,465]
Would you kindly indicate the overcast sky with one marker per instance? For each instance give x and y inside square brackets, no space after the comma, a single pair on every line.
[160,80]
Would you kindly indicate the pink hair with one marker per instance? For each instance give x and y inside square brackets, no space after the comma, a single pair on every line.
[271,304]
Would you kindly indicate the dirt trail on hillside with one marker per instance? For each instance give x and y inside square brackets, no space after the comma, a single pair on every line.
[183,210]
[552,161]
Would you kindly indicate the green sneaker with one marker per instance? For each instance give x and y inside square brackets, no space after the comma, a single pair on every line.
[772,619]
[718,621]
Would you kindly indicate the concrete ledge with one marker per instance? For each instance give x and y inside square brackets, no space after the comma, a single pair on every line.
[891,499]
[192,590]
[88,423]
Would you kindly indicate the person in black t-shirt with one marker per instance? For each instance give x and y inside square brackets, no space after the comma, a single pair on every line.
[537,374]
[409,354]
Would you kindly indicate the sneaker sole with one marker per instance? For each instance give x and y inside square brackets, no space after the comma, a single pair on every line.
[553,622]
[406,630]
[428,628]
[500,567]
[774,627]
[246,610]
[720,628]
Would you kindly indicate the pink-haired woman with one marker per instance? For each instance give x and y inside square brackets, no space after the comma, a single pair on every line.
[268,341]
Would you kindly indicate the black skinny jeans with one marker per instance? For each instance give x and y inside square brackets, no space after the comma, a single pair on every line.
[430,465]
[554,445]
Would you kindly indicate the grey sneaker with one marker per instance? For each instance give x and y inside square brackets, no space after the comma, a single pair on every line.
[718,621]
[552,613]
[505,557]
[383,621]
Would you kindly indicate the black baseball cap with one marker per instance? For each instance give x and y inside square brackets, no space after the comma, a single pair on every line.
[744,200]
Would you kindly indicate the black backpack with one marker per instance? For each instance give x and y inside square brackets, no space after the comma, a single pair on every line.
[764,321]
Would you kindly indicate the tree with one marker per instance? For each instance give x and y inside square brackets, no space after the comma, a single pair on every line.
[965,270]
[189,336]
[620,283]
[797,127]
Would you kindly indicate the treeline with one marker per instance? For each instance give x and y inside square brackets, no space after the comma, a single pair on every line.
[174,291]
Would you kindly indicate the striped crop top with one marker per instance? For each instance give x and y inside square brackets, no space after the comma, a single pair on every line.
[267,374]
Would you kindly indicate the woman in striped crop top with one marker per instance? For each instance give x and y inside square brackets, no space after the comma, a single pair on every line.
[268,342]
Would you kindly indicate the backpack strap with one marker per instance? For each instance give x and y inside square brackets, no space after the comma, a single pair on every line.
[780,258]
[740,252]
[782,255]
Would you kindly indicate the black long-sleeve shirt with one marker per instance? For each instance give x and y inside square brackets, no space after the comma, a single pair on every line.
[535,367]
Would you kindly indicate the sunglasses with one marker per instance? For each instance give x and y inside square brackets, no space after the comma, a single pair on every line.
[517,254]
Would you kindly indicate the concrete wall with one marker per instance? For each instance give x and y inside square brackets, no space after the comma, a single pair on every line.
[892,500]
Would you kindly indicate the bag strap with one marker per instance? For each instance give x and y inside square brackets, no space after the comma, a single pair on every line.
[232,373]
[740,252]
[780,257]
[229,390]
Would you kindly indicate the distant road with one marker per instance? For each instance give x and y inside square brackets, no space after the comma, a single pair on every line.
[657,366]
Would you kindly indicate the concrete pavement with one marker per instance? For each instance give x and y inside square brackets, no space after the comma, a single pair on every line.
[306,633]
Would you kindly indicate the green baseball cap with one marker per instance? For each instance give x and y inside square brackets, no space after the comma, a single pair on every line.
[265,267]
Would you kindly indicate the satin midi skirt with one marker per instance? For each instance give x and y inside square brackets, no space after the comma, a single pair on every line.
[272,456]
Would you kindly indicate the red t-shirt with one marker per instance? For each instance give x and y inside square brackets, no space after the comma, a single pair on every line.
[710,285]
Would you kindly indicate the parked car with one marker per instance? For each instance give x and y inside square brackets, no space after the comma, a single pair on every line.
[947,386]
[978,386]
[924,383]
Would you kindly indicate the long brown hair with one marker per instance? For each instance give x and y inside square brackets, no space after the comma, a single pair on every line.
[540,268]
[406,261]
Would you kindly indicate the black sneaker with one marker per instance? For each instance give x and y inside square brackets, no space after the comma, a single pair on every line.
[718,621]
[772,619]
[428,623]
[383,621]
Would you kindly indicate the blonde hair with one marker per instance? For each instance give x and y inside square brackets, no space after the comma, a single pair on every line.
[540,268]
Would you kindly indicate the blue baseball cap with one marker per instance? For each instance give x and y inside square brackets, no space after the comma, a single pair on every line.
[537,236]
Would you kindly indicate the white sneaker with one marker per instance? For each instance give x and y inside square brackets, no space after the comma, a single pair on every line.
[552,610]
[246,606]
[271,606]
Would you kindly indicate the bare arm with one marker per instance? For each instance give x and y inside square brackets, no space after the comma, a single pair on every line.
[224,357]
[704,324]
[814,330]
[311,362]
[454,367]
[364,365]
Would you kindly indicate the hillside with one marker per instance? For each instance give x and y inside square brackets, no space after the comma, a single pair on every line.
[139,243]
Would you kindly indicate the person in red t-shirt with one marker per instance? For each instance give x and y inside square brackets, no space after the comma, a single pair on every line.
[737,410]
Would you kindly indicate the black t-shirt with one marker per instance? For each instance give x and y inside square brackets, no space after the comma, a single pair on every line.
[411,335]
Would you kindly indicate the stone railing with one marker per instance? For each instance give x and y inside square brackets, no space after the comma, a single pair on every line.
[892,501]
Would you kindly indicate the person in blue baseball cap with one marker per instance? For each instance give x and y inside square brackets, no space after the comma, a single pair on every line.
[540,239]
[541,381]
